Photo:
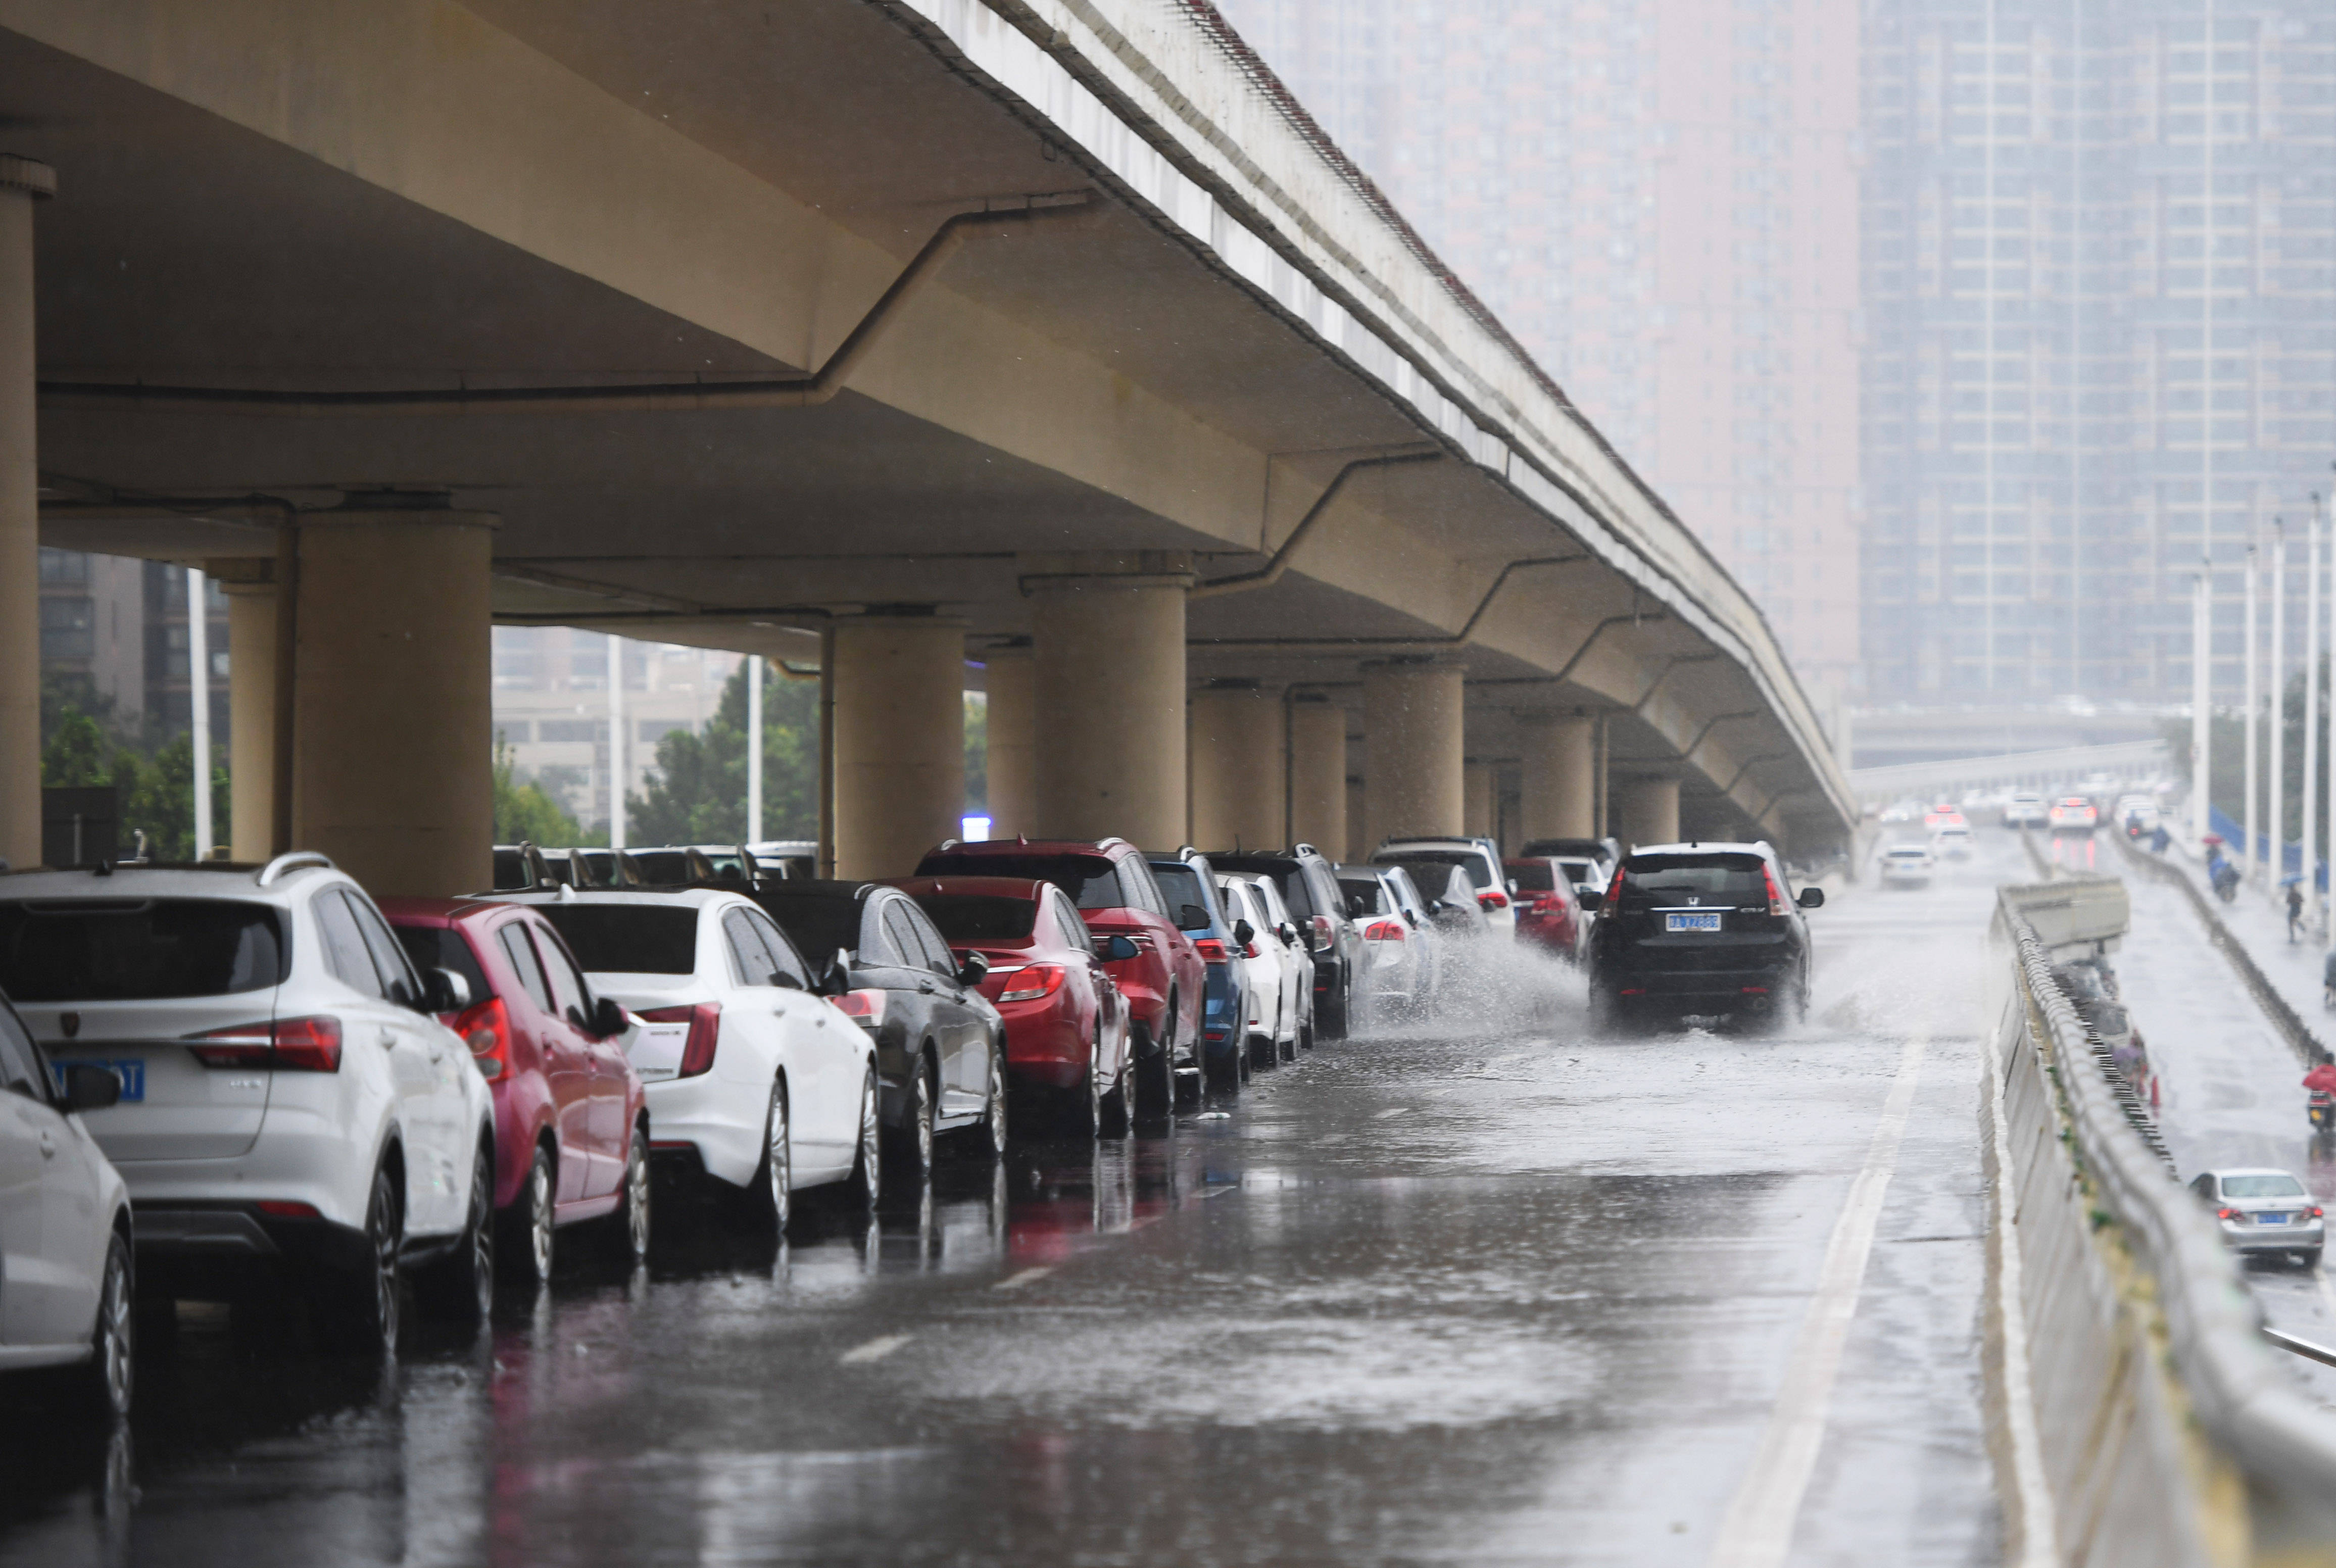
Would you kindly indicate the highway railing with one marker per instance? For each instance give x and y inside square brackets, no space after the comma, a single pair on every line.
[2167,1428]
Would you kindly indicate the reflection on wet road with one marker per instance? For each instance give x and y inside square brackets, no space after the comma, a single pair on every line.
[1507,1295]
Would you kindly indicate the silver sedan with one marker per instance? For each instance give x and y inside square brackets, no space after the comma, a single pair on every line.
[2264,1211]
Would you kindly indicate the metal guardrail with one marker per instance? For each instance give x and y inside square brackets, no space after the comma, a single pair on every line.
[2242,1399]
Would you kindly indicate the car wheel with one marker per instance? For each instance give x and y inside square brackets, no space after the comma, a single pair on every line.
[356,1312]
[1155,1074]
[1222,1072]
[866,1183]
[113,1361]
[524,1258]
[770,1196]
[462,1289]
[1117,1117]
[626,1231]
[2311,1256]
[989,1134]
[912,1142]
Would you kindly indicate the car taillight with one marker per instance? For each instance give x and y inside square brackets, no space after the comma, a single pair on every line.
[1211,950]
[486,1027]
[286,1209]
[289,1045]
[1321,924]
[1027,986]
[862,1007]
[2316,1213]
[704,1021]
[1775,898]
[2228,1214]
[1492,899]
[1383,931]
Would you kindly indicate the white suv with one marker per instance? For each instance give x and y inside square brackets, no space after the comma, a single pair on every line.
[289,1104]
[1478,857]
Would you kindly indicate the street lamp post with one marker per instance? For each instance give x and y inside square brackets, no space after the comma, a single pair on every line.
[2250,853]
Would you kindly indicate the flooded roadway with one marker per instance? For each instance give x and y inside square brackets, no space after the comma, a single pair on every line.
[1475,1298]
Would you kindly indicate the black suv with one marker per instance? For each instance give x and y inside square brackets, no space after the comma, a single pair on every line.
[1311,890]
[1700,929]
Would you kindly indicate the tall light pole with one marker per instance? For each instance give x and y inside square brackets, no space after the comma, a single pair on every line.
[615,747]
[198,705]
[2310,853]
[2278,699]
[2202,628]
[754,749]
[2252,853]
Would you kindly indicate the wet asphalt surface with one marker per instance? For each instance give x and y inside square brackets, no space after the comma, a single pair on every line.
[1488,1291]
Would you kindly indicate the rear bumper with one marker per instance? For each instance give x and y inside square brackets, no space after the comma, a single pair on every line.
[210,1249]
[1749,988]
[2276,1237]
[1045,1047]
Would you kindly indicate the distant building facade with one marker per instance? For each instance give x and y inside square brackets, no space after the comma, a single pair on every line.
[2101,333]
[1660,201]
[114,640]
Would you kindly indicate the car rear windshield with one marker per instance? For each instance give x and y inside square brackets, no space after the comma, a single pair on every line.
[628,939]
[512,870]
[2262,1187]
[980,917]
[819,923]
[139,949]
[1180,884]
[1469,861]
[1580,871]
[1650,881]
[1534,876]
[1369,891]
[443,948]
[1090,879]
[1589,848]
[662,865]
[1288,876]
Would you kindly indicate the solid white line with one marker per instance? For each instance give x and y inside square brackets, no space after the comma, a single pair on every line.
[2039,1526]
[1757,1530]
[1016,1282]
[1383,1115]
[875,1349]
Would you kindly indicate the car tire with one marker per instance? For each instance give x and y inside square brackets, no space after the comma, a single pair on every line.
[525,1257]
[1261,1053]
[625,1233]
[1118,1110]
[865,1186]
[460,1289]
[1224,1072]
[910,1148]
[2311,1256]
[110,1378]
[987,1136]
[769,1197]
[357,1313]
[1154,1075]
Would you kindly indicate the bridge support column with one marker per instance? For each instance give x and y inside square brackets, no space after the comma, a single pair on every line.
[1477,800]
[1560,776]
[1648,811]
[1013,740]
[1317,775]
[1240,795]
[1108,635]
[392,698]
[900,741]
[250,713]
[1414,782]
[22,183]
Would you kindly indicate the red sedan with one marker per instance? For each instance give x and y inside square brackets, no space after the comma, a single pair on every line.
[567,1100]
[1066,1018]
[1547,915]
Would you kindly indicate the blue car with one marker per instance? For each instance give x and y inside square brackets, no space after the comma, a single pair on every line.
[1189,886]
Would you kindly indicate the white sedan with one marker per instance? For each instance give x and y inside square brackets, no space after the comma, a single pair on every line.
[1277,969]
[1908,866]
[753,1079]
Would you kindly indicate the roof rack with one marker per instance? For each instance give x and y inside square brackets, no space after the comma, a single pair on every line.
[290,862]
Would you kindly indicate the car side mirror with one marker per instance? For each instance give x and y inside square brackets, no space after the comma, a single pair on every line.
[1411,919]
[608,1017]
[444,991]
[90,1088]
[1244,933]
[1811,899]
[1117,949]
[834,978]
[1512,884]
[974,969]
[1589,898]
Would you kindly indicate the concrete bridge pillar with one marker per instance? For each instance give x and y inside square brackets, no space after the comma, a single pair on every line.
[22,183]
[1107,631]
[252,713]
[1013,740]
[1647,810]
[1317,775]
[393,717]
[1477,800]
[1560,776]
[900,740]
[1239,795]
[1414,782]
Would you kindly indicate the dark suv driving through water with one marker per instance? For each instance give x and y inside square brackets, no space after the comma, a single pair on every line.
[1700,929]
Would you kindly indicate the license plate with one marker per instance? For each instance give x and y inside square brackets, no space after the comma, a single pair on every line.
[1692,922]
[131,1070]
[2271,1219]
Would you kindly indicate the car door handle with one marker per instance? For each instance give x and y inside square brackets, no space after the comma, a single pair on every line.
[389,1038]
[48,1144]
[929,989]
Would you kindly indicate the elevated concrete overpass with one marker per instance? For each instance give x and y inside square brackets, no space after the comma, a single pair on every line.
[881,335]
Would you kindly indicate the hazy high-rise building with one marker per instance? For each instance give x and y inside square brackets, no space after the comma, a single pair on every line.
[1660,201]
[2100,330]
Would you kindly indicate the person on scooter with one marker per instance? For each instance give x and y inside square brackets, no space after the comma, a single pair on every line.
[2323,1077]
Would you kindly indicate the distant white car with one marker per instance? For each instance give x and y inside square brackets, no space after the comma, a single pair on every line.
[2025,811]
[1908,866]
[1398,973]
[288,1094]
[1480,862]
[1952,840]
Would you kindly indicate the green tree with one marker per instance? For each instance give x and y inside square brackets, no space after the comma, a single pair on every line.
[524,811]
[696,789]
[976,754]
[156,797]
[76,755]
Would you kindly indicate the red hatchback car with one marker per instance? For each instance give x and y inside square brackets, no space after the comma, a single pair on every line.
[1065,1019]
[567,1104]
[1547,914]
[1111,886]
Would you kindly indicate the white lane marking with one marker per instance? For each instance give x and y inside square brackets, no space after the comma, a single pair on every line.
[1383,1115]
[1219,1192]
[1757,1530]
[2039,1526]
[875,1349]
[2327,1292]
[1027,1276]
